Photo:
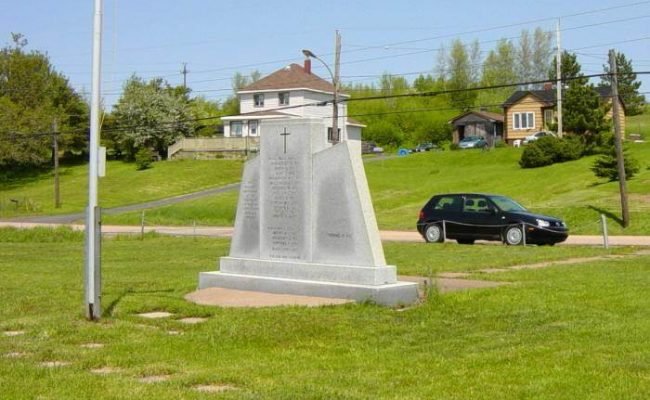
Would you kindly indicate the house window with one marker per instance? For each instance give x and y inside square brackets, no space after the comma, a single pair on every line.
[523,120]
[548,116]
[330,136]
[253,127]
[258,99]
[236,128]
[283,98]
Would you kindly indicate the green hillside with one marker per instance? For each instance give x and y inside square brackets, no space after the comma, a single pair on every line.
[123,184]
[399,187]
[569,190]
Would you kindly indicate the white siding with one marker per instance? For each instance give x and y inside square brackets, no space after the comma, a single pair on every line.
[297,98]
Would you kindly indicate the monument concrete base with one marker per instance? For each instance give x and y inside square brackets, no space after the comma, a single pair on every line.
[390,294]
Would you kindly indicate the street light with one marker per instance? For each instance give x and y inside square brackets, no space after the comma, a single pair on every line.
[335,113]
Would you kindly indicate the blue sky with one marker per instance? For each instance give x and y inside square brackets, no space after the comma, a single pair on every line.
[218,38]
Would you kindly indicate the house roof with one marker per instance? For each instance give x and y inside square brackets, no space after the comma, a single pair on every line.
[293,76]
[550,95]
[487,115]
[547,96]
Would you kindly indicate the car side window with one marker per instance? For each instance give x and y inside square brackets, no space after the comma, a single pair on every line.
[475,204]
[449,203]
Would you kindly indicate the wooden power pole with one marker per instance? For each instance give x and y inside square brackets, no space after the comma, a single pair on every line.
[618,140]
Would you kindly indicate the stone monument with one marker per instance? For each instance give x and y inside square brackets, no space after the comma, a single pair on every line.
[305,223]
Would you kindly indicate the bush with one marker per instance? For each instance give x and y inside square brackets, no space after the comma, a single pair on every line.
[143,158]
[549,150]
[607,166]
[454,146]
[571,148]
[534,156]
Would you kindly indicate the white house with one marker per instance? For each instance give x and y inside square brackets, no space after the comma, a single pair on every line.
[291,92]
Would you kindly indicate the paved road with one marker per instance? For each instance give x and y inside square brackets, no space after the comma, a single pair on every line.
[71,218]
[388,236]
[75,217]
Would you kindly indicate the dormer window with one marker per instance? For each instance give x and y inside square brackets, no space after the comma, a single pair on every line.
[258,99]
[283,98]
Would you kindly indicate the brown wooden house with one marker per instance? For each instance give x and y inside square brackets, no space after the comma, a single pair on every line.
[485,124]
[530,111]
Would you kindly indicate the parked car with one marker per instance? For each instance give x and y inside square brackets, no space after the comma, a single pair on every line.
[467,217]
[535,136]
[370,148]
[472,142]
[427,146]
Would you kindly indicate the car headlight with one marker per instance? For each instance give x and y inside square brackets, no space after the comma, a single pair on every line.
[543,223]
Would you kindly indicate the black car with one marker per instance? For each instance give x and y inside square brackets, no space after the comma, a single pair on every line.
[428,146]
[467,217]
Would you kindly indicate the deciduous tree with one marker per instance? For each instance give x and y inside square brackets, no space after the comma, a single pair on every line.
[150,114]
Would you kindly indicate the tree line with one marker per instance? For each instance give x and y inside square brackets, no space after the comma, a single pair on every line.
[36,101]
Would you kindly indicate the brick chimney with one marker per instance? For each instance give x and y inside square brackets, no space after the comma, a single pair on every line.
[548,85]
[308,65]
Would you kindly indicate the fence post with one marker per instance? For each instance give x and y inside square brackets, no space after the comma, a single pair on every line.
[142,226]
[603,223]
[444,231]
[523,233]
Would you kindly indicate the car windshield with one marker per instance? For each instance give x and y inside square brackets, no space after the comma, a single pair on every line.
[506,204]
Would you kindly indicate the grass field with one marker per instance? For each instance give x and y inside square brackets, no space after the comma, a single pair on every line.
[568,332]
[639,124]
[400,186]
[122,185]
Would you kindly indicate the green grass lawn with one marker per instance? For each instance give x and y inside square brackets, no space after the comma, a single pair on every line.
[639,124]
[400,187]
[569,332]
[122,185]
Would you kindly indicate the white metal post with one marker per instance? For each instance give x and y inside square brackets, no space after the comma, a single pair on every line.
[558,83]
[93,231]
[603,223]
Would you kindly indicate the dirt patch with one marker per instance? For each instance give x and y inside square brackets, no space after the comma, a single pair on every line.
[213,388]
[154,378]
[15,354]
[192,320]
[92,345]
[105,370]
[54,364]
[14,333]
[156,315]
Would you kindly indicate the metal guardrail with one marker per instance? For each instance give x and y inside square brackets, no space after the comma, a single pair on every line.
[602,222]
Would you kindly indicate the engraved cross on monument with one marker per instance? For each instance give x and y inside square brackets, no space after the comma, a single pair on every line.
[285,134]
[305,223]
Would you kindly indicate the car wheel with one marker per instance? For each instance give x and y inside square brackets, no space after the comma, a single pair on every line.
[433,234]
[465,241]
[514,236]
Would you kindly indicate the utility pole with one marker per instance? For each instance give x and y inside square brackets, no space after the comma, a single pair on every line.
[558,83]
[55,157]
[92,291]
[184,72]
[337,70]
[618,141]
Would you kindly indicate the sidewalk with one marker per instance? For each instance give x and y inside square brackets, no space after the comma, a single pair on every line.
[387,236]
